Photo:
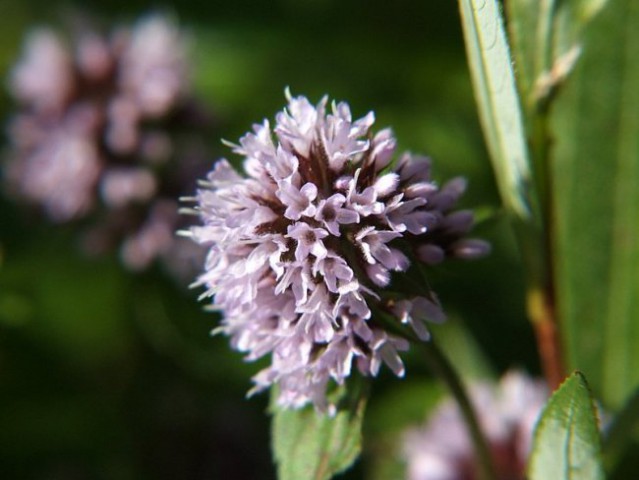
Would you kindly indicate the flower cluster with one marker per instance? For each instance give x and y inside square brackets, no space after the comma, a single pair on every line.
[442,449]
[302,248]
[96,131]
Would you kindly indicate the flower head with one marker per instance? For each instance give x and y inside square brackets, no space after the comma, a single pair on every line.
[93,133]
[302,249]
[507,412]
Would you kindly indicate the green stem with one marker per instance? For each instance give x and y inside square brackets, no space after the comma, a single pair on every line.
[441,366]
[446,372]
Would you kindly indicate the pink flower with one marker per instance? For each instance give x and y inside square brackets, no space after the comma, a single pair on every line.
[299,201]
[43,78]
[331,225]
[308,240]
[331,213]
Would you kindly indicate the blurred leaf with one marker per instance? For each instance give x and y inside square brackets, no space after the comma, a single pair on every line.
[546,41]
[622,428]
[530,27]
[465,354]
[499,108]
[386,423]
[417,397]
[566,444]
[595,171]
[546,37]
[315,446]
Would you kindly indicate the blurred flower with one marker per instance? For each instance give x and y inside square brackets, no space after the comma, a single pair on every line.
[301,250]
[442,449]
[95,135]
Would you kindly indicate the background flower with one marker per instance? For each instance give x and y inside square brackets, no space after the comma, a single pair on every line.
[507,413]
[98,133]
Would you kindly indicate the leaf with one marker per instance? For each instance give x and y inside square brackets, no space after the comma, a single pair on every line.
[595,171]
[566,444]
[499,108]
[469,359]
[316,446]
[546,36]
[530,26]
[623,427]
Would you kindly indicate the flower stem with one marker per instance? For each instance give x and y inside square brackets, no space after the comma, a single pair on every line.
[442,367]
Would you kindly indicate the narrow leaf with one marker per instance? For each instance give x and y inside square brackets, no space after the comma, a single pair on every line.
[567,444]
[315,446]
[499,108]
[595,171]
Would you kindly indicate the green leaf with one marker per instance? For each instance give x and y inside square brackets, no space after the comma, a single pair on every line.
[530,27]
[469,359]
[567,444]
[316,446]
[546,37]
[499,108]
[595,171]
[622,428]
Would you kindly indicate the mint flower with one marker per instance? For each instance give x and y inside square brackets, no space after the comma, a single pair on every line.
[507,412]
[303,248]
[95,134]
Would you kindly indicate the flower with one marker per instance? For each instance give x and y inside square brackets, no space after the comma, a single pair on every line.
[93,136]
[507,413]
[302,249]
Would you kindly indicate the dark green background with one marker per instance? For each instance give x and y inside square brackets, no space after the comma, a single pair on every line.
[109,375]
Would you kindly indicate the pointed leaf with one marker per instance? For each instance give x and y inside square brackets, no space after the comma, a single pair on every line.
[567,444]
[315,446]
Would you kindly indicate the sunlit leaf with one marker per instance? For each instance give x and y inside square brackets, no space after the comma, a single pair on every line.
[566,444]
[499,108]
[316,446]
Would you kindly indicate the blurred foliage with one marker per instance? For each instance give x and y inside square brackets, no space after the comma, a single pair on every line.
[603,93]
[578,70]
[106,374]
[576,67]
